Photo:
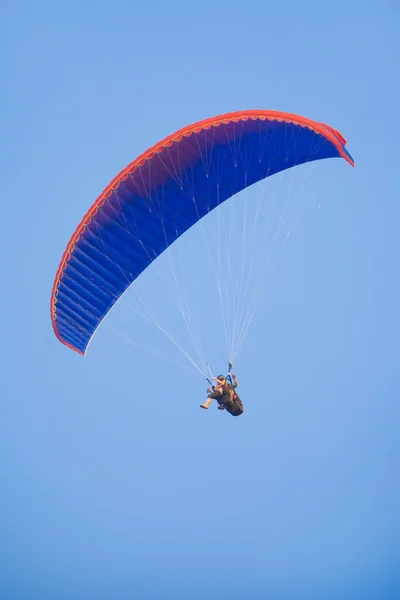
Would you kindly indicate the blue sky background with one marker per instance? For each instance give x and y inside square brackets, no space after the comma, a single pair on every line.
[113,483]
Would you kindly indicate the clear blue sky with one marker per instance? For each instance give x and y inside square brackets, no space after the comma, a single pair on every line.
[113,483]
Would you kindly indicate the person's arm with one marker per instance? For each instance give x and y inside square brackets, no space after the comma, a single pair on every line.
[235,381]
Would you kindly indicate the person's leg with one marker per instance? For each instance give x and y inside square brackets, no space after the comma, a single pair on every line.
[209,398]
[206,403]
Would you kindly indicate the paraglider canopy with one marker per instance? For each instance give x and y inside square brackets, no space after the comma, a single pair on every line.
[165,191]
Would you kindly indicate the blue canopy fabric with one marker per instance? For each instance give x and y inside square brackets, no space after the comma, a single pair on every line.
[165,191]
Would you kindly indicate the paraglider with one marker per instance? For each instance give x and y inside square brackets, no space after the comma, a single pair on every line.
[224,392]
[161,195]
